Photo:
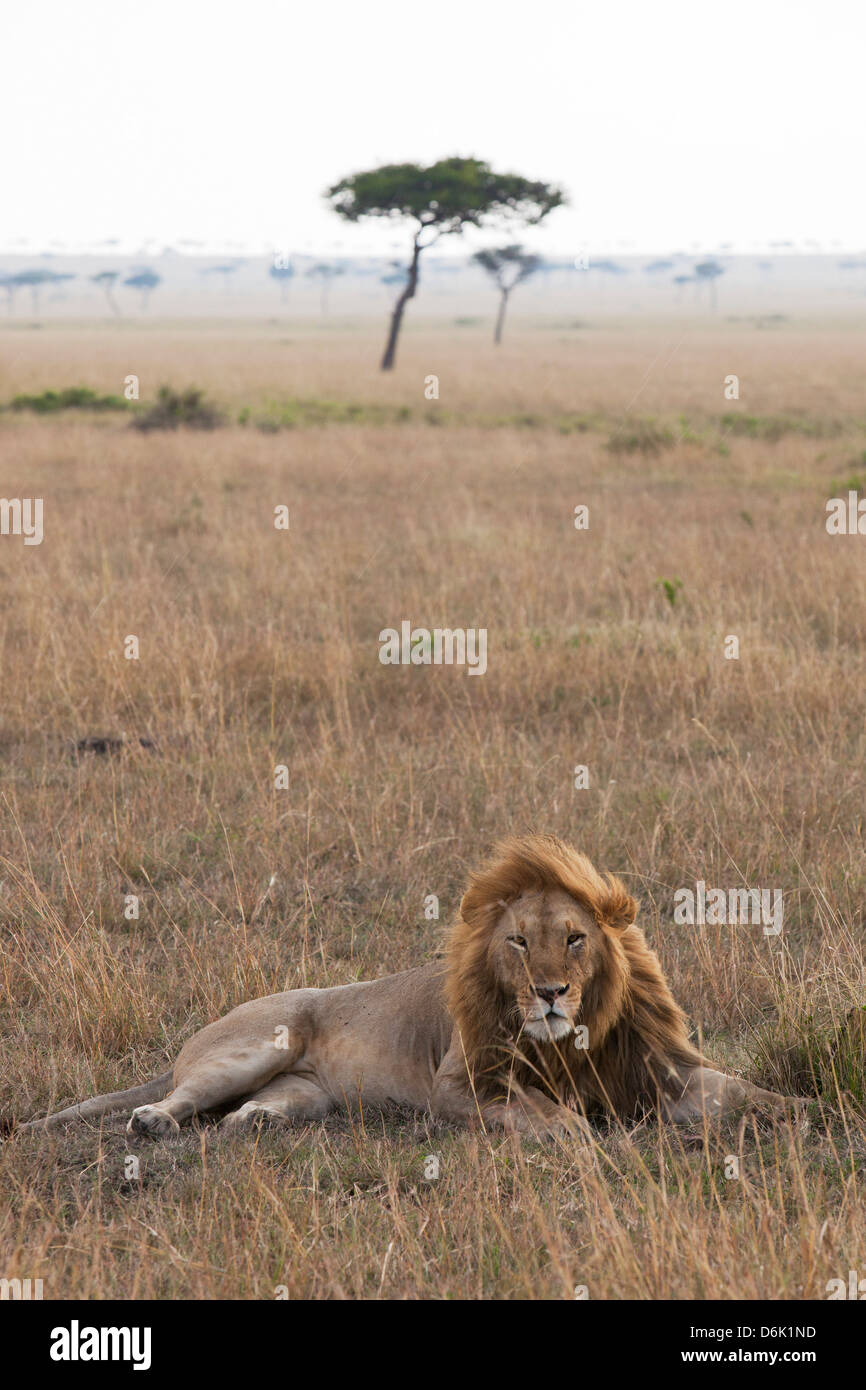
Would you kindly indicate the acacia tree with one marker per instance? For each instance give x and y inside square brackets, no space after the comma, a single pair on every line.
[225,270]
[708,272]
[282,271]
[106,280]
[144,280]
[34,280]
[506,266]
[440,199]
[325,272]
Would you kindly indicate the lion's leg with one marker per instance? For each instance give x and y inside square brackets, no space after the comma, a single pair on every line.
[211,1081]
[285,1098]
[528,1111]
[711,1094]
[532,1112]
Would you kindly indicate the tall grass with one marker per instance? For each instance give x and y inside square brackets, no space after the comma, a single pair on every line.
[259,647]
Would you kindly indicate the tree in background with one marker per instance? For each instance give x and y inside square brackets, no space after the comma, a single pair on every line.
[507,266]
[35,280]
[325,272]
[144,280]
[225,270]
[707,273]
[282,271]
[441,199]
[106,280]
[7,283]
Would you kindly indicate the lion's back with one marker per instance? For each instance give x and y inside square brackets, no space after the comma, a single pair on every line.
[384,1038]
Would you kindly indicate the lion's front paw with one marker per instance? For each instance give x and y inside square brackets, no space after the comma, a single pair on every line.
[250,1116]
[525,1120]
[548,1128]
[796,1112]
[150,1119]
[782,1107]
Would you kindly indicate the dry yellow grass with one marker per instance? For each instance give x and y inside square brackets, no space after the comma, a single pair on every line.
[260,647]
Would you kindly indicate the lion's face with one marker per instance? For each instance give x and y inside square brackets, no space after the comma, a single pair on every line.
[543,953]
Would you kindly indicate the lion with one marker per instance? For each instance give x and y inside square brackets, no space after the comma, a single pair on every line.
[548,1008]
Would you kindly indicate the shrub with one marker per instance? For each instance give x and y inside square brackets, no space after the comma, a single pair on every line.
[73,398]
[175,408]
[644,437]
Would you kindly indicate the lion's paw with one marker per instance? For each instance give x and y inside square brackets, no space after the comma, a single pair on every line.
[532,1124]
[545,1131]
[149,1119]
[250,1116]
[797,1113]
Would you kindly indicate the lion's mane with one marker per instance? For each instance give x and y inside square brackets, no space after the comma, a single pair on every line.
[637,1033]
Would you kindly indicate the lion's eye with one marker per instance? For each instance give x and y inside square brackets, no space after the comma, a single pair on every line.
[577,940]
[518,941]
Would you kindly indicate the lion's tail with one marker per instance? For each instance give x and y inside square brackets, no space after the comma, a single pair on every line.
[91,1109]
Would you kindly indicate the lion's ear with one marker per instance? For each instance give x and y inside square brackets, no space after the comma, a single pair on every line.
[477,905]
[473,902]
[620,909]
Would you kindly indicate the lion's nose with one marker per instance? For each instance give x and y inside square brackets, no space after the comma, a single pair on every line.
[550,992]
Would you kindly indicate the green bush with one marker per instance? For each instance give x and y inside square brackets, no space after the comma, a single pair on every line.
[73,398]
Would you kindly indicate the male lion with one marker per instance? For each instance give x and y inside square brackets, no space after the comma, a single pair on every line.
[549,1007]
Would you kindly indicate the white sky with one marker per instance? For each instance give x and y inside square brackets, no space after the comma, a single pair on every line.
[674,124]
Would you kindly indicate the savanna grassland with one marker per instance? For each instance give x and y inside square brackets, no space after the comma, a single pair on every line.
[259,647]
